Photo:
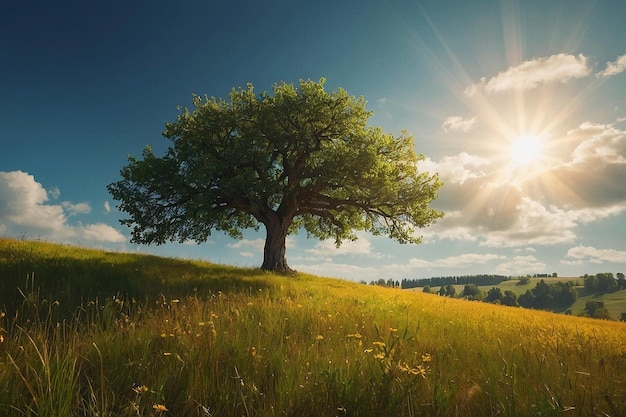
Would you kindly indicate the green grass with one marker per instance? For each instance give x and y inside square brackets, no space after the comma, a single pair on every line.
[108,334]
[615,302]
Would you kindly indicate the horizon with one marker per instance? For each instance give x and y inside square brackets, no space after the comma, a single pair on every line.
[519,106]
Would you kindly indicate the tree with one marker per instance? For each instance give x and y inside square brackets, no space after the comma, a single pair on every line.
[472,292]
[509,298]
[597,310]
[298,159]
[606,282]
[450,291]
[527,300]
[591,283]
[494,295]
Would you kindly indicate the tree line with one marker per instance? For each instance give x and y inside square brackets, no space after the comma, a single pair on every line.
[604,282]
[481,279]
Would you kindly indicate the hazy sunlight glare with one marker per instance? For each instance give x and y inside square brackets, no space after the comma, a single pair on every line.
[526,150]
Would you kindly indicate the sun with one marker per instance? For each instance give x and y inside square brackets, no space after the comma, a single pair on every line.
[526,150]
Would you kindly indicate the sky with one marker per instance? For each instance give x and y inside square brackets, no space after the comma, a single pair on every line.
[519,106]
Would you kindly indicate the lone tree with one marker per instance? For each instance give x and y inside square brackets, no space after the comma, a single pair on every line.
[300,158]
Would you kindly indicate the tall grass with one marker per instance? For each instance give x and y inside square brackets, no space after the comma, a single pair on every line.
[195,339]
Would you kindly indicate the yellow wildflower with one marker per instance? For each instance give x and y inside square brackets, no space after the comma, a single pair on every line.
[404,368]
[141,389]
[160,408]
[420,370]
[426,357]
[379,344]
[319,337]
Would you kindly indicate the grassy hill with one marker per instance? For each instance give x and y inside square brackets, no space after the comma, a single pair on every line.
[87,332]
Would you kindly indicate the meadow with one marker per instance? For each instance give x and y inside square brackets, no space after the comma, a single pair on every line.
[93,333]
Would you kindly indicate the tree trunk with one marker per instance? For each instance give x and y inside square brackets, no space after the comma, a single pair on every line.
[275,248]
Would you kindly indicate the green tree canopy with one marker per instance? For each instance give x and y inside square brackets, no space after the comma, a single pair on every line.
[300,158]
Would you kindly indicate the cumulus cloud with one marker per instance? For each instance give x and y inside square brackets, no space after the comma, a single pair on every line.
[504,217]
[530,74]
[592,177]
[534,224]
[456,169]
[521,265]
[458,123]
[613,68]
[601,143]
[99,232]
[327,248]
[589,254]
[24,208]
[483,205]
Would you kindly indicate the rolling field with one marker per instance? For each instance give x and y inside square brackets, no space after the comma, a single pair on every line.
[87,332]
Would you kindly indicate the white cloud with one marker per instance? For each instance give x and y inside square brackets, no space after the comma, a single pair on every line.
[593,177]
[107,207]
[601,142]
[23,209]
[592,255]
[458,123]
[467,259]
[521,265]
[344,271]
[327,248]
[72,209]
[257,244]
[100,232]
[613,68]
[530,74]
[456,169]
[54,193]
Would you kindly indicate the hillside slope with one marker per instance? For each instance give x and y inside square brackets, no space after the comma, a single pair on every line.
[155,336]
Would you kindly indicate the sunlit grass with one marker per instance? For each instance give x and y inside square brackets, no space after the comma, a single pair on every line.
[195,339]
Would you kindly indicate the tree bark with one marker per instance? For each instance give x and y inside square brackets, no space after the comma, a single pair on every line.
[275,248]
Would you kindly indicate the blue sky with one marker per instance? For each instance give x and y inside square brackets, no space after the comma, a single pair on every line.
[520,106]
